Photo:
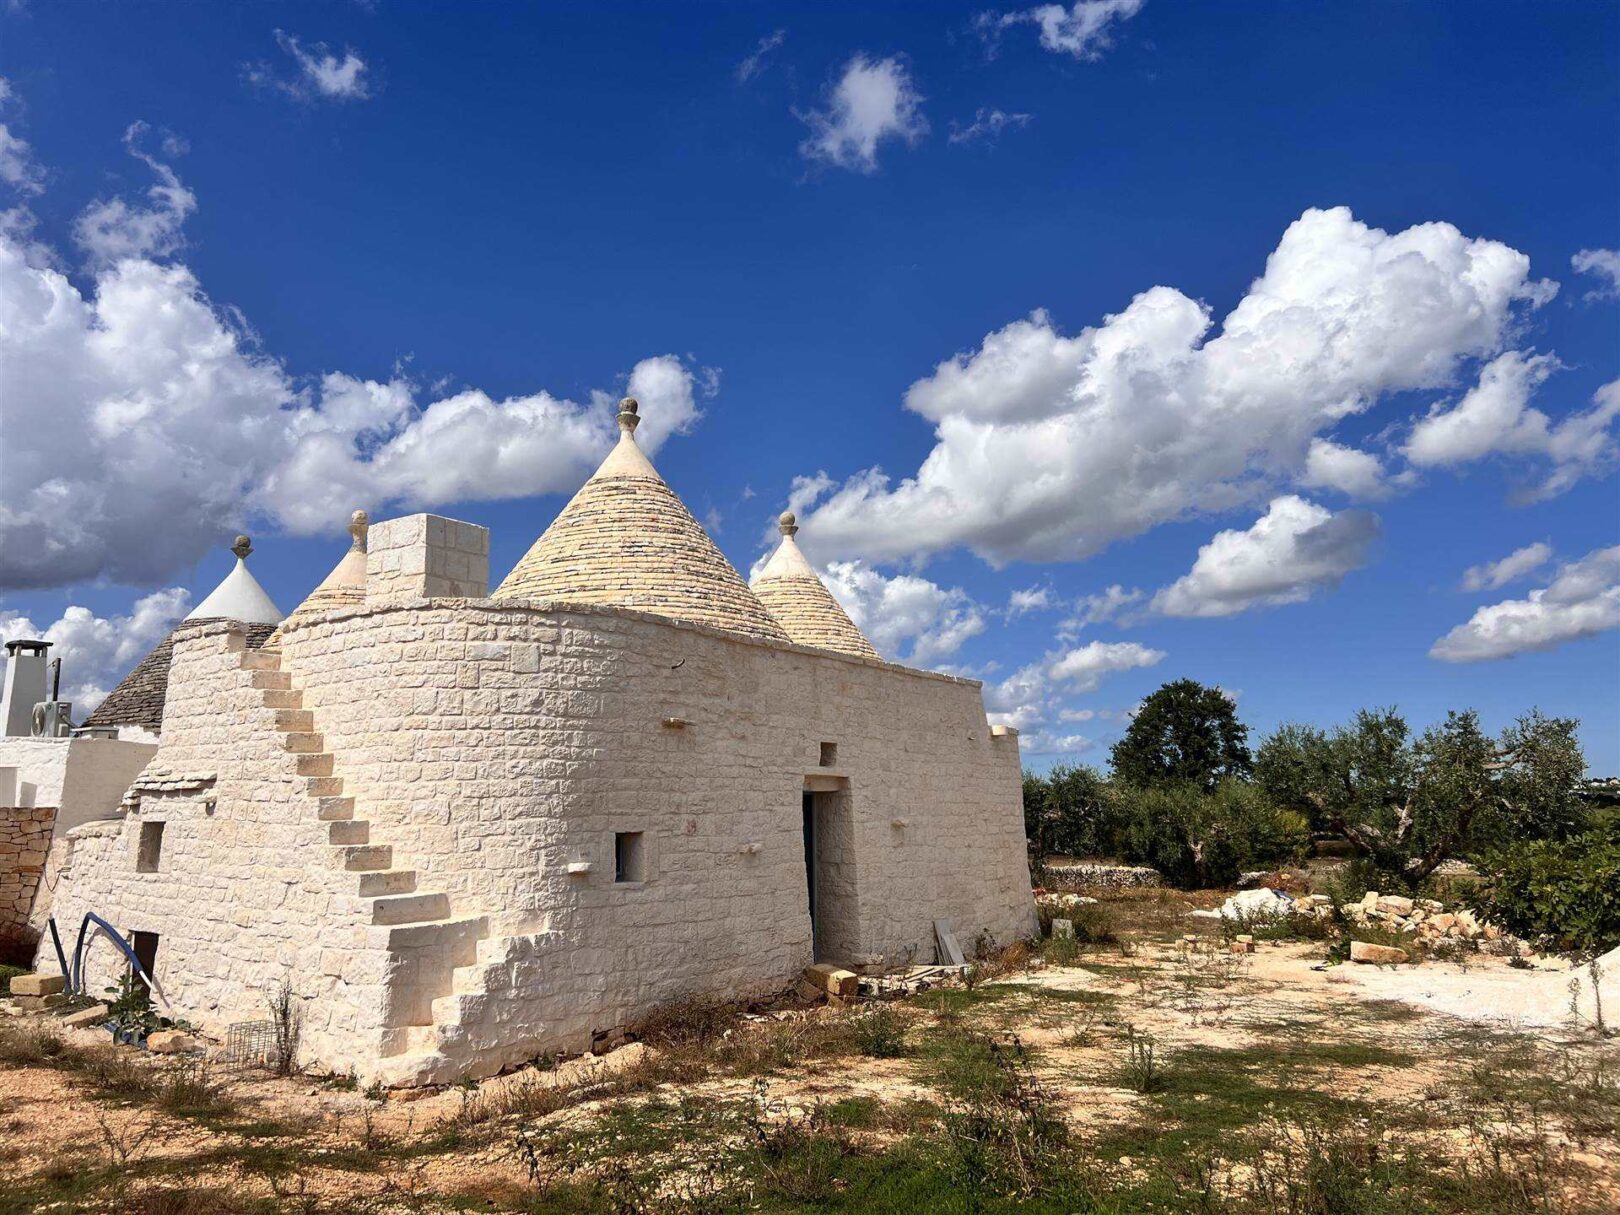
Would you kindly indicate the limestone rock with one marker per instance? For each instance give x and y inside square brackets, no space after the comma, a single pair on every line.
[85,1017]
[1378,955]
[38,985]
[1062,928]
[34,1004]
[1394,904]
[833,980]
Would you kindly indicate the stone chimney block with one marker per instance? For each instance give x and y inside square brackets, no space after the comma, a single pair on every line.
[426,556]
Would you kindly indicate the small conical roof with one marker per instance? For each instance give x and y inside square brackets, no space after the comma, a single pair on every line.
[625,539]
[802,604]
[345,586]
[239,595]
[139,698]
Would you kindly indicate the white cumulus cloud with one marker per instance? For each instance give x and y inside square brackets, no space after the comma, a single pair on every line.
[142,424]
[112,229]
[905,614]
[18,167]
[1603,265]
[97,651]
[1583,599]
[1517,564]
[874,101]
[1084,29]
[1051,447]
[1351,471]
[1295,549]
[1495,417]
[1030,699]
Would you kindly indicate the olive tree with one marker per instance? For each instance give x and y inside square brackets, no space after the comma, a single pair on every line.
[1408,804]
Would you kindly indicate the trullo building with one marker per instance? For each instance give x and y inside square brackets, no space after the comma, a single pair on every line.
[468,828]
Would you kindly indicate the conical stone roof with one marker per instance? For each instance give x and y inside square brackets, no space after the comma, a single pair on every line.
[139,698]
[345,586]
[239,595]
[625,539]
[802,604]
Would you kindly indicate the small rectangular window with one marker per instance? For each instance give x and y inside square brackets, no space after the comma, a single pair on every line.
[829,755]
[629,857]
[151,849]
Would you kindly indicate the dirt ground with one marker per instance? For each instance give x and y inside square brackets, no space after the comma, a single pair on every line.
[1274,1041]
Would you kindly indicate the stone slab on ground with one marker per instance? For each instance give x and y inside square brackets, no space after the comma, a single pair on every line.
[1381,955]
[38,985]
[85,1017]
[37,1004]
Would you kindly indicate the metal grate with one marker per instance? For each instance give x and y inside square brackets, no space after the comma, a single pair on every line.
[252,1044]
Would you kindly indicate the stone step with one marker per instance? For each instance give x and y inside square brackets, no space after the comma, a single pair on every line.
[410,1040]
[460,1008]
[368,858]
[302,742]
[387,881]
[261,660]
[323,786]
[290,721]
[354,831]
[272,681]
[334,809]
[410,908]
[318,764]
[281,698]
[480,978]
[461,936]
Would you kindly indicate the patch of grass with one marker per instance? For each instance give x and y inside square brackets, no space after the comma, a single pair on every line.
[880,1032]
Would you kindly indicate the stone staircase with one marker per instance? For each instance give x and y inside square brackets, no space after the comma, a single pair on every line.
[436,961]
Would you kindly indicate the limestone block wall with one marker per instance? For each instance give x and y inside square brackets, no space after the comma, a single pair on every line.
[419,556]
[500,747]
[25,838]
[241,894]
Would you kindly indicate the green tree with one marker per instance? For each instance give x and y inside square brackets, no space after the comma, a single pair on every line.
[1183,734]
[1198,839]
[1409,804]
[1067,812]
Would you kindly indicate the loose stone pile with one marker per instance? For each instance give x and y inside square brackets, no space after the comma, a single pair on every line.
[1427,919]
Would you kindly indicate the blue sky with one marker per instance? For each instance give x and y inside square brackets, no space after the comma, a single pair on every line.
[267,263]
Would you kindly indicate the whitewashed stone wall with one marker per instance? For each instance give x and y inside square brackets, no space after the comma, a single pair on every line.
[244,894]
[497,746]
[497,749]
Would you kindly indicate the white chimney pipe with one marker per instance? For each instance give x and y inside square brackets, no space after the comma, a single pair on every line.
[25,685]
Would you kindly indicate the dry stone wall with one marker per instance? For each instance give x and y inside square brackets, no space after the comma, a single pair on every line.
[25,839]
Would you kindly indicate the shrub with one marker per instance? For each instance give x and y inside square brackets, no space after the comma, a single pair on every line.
[1566,892]
[1199,839]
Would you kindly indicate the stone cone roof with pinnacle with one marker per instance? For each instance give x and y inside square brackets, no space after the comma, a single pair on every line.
[139,698]
[802,604]
[625,539]
[345,586]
